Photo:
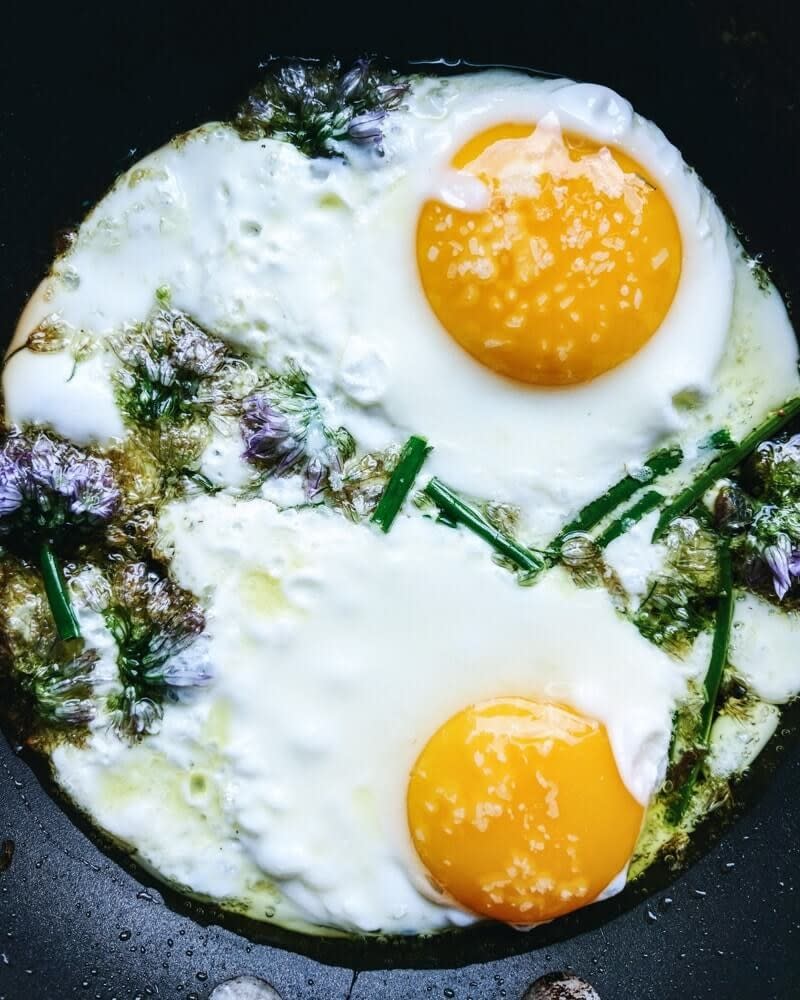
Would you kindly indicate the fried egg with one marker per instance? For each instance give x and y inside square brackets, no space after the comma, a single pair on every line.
[531,277]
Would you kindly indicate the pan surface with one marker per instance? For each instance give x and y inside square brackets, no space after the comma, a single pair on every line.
[87,92]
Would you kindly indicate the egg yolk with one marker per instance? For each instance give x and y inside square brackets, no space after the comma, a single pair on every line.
[569,268]
[518,811]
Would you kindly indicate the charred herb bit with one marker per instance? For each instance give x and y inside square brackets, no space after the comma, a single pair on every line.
[681,600]
[158,628]
[458,512]
[312,105]
[285,432]
[657,465]
[726,463]
[402,479]
[52,495]
[711,684]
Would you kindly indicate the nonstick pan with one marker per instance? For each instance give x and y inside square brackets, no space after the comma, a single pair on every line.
[87,90]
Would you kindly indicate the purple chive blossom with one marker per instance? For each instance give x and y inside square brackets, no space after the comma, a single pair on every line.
[367,129]
[784,564]
[355,79]
[268,436]
[284,432]
[48,487]
[161,647]
[170,368]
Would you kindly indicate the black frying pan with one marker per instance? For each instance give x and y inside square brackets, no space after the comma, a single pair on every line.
[85,92]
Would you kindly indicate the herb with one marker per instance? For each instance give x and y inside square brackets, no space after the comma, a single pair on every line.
[284,432]
[158,629]
[761,273]
[719,440]
[171,370]
[62,693]
[52,494]
[774,538]
[313,105]
[711,684]
[681,600]
[363,482]
[646,503]
[397,489]
[658,464]
[723,465]
[458,512]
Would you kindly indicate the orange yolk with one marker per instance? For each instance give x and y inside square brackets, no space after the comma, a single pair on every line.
[569,269]
[518,811]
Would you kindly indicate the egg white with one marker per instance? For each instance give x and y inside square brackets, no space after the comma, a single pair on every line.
[316,260]
[280,789]
[338,652]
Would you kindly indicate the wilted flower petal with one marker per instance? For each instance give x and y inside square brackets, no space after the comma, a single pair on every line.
[777,556]
[367,129]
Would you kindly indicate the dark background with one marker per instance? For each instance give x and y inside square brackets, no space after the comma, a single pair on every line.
[84,90]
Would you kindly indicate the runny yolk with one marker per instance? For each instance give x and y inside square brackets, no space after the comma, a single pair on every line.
[567,271]
[518,811]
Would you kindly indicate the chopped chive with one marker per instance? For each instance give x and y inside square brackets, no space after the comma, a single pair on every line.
[57,595]
[658,464]
[455,510]
[711,684]
[725,463]
[628,518]
[402,479]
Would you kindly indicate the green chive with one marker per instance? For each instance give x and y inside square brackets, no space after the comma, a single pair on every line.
[720,468]
[455,510]
[658,464]
[719,659]
[628,518]
[57,595]
[402,479]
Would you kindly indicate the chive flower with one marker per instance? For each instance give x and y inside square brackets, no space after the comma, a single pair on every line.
[170,370]
[314,105]
[161,647]
[62,693]
[52,494]
[783,560]
[284,433]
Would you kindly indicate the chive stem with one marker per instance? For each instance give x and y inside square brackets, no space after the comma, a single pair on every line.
[455,510]
[658,464]
[57,595]
[414,453]
[720,468]
[629,518]
[713,678]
